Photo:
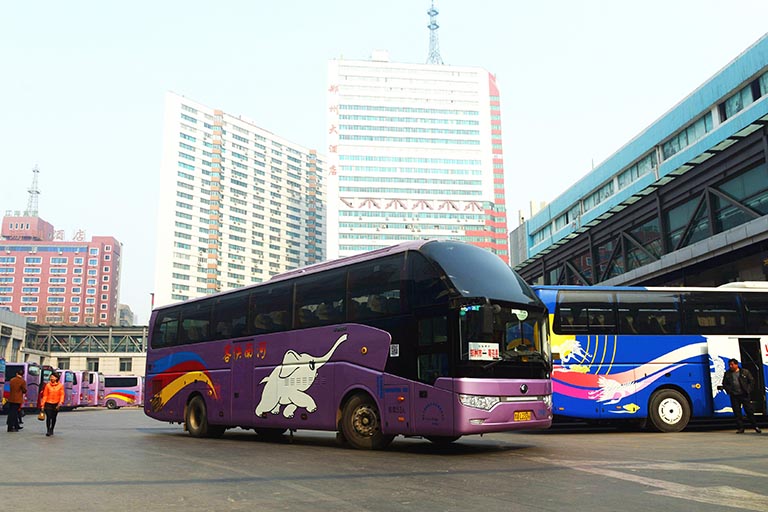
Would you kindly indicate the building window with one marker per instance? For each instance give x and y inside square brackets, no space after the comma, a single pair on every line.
[92,362]
[15,346]
[126,364]
[63,363]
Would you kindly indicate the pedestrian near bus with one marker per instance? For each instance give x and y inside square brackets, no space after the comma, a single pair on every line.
[53,397]
[18,388]
[738,383]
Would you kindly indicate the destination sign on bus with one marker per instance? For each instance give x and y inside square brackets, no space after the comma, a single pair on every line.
[483,351]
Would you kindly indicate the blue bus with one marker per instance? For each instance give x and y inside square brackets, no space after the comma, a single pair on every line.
[655,356]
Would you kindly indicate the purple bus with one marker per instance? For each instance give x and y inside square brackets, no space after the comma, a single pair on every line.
[31,374]
[94,387]
[80,388]
[2,381]
[413,340]
[123,390]
[67,378]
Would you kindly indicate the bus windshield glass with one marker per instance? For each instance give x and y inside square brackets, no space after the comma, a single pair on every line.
[476,273]
[495,333]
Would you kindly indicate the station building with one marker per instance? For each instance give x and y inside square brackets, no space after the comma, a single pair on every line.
[685,202]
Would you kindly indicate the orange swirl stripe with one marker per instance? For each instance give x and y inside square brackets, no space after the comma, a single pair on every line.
[180,383]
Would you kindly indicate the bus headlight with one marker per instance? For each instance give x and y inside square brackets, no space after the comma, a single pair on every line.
[485,403]
[547,401]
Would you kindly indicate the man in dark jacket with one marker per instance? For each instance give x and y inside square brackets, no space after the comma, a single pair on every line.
[738,383]
[15,399]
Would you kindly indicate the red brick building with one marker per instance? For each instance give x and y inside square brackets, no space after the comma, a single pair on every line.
[51,281]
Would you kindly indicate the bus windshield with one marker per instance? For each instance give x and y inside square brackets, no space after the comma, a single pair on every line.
[476,273]
[495,333]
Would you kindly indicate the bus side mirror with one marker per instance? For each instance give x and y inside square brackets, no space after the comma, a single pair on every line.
[488,312]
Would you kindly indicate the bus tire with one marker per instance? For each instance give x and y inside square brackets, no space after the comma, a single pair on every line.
[196,420]
[361,424]
[442,440]
[669,410]
[111,404]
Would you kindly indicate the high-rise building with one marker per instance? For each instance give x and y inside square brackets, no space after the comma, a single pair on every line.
[238,204]
[414,151]
[52,281]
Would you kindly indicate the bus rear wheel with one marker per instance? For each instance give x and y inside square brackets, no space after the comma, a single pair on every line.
[669,411]
[111,404]
[361,424]
[196,420]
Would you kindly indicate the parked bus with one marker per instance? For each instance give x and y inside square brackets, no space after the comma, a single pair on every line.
[419,339]
[2,382]
[67,378]
[95,385]
[31,373]
[123,390]
[80,388]
[654,355]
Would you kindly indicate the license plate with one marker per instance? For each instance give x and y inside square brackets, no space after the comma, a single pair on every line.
[522,416]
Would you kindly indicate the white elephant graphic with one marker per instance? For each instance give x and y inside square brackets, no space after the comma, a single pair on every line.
[287,383]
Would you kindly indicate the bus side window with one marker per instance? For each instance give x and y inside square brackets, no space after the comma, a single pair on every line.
[425,284]
[756,307]
[433,358]
[166,329]
[374,288]
[268,309]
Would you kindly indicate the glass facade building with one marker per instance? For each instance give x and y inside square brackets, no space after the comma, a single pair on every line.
[414,151]
[683,203]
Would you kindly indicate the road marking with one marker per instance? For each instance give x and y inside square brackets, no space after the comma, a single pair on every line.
[722,495]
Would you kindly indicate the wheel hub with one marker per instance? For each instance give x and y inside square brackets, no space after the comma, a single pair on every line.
[670,411]
[364,421]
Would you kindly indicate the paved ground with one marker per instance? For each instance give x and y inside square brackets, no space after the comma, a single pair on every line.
[124,461]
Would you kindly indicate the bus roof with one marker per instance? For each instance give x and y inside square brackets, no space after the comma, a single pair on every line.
[318,267]
[745,286]
[325,265]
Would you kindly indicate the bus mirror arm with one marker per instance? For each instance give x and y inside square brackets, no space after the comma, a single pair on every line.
[488,312]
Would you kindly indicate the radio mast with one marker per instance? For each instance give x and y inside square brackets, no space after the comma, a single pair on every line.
[34,193]
[434,44]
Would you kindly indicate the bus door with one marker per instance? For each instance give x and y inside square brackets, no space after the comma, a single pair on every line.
[752,360]
[720,350]
[244,354]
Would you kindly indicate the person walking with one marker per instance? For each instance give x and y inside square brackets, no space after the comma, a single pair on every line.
[738,383]
[53,397]
[18,388]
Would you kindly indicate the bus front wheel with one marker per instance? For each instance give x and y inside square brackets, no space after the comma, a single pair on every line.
[669,410]
[196,419]
[361,424]
[111,404]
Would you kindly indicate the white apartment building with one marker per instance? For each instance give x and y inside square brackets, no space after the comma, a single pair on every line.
[238,204]
[414,151]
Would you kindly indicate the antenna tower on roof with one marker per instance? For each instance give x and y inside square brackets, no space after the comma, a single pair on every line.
[434,44]
[34,193]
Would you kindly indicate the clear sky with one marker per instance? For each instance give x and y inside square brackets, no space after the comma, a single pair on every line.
[82,85]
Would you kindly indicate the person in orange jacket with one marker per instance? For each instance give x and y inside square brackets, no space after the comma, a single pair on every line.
[53,397]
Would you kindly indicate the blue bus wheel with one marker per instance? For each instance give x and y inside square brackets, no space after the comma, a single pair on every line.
[669,411]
